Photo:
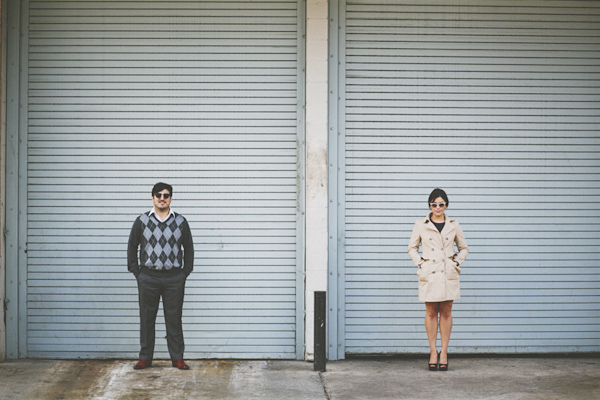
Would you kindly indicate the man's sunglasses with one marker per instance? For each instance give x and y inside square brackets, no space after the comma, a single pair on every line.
[434,205]
[165,195]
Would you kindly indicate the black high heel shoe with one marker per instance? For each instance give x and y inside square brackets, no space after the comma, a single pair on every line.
[434,366]
[443,367]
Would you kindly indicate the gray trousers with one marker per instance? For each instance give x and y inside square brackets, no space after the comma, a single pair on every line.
[150,289]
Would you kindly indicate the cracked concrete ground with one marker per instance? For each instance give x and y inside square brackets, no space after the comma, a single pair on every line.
[495,378]
[211,379]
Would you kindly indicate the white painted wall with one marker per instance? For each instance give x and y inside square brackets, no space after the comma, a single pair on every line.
[316,160]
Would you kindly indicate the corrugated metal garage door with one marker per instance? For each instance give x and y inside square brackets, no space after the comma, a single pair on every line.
[204,95]
[498,103]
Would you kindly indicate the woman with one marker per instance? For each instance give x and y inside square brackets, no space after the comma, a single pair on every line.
[438,272]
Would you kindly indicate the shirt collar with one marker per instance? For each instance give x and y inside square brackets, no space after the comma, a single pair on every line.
[153,211]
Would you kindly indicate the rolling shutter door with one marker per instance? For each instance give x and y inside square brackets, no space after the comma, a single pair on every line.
[202,95]
[497,103]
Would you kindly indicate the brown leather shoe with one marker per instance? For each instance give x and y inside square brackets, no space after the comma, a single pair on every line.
[180,364]
[142,364]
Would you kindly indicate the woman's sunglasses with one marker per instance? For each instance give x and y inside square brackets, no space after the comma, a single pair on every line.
[434,205]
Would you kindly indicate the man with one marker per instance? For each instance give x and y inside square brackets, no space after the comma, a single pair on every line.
[161,270]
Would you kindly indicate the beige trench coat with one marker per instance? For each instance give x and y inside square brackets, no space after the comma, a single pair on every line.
[439,264]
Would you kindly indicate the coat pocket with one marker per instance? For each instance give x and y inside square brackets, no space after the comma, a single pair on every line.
[453,270]
[422,272]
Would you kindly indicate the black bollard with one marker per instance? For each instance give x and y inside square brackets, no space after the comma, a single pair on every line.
[320,331]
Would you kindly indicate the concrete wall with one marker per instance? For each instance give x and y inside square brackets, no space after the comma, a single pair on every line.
[316,159]
[2,180]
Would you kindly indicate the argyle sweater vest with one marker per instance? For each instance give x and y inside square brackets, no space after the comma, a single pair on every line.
[160,244]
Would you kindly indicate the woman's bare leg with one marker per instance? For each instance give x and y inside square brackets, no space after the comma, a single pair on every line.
[431,326]
[445,328]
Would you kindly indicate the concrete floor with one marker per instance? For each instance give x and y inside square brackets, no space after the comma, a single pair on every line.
[495,378]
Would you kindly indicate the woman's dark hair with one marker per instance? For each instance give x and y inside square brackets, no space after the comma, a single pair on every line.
[160,186]
[437,192]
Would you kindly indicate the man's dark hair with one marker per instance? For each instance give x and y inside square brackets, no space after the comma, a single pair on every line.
[437,192]
[160,186]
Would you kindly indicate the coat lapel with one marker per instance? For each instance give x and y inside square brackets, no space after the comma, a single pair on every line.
[448,226]
[434,234]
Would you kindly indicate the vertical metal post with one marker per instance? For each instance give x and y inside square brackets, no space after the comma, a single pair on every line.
[320,331]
